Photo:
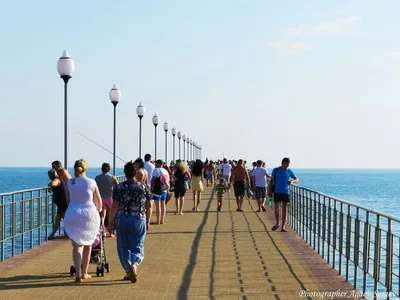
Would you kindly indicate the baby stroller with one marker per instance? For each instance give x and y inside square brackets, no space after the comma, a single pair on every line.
[98,254]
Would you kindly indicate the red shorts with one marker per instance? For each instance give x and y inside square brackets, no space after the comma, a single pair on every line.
[107,202]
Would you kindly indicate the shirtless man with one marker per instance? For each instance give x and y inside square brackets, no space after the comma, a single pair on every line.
[239,177]
[210,170]
[61,172]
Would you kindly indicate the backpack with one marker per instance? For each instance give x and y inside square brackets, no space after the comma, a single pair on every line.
[156,190]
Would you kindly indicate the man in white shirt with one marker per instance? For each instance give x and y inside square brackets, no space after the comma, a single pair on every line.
[259,177]
[149,167]
[226,171]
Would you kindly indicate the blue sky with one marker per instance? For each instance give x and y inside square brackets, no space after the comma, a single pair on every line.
[313,80]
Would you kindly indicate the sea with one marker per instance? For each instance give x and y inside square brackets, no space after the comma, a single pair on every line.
[376,189]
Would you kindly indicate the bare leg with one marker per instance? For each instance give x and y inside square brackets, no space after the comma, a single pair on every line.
[57,223]
[276,208]
[181,204]
[77,258]
[237,203]
[85,261]
[163,211]
[198,199]
[240,202]
[194,200]
[157,204]
[284,213]
[259,204]
[177,204]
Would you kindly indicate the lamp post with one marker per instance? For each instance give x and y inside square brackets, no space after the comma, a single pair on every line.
[194,150]
[166,140]
[173,131]
[179,138]
[156,120]
[191,150]
[115,95]
[140,110]
[184,144]
[65,67]
[187,140]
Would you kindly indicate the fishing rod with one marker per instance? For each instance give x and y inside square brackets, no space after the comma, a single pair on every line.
[100,146]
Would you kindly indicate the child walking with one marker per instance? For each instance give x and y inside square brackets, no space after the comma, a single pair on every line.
[220,190]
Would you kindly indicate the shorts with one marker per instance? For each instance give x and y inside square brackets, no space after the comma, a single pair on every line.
[226,177]
[239,188]
[107,202]
[209,176]
[220,198]
[162,197]
[179,193]
[261,193]
[281,198]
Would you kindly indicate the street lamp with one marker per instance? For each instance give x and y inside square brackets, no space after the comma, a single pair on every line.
[179,138]
[115,95]
[187,140]
[191,152]
[184,144]
[166,140]
[140,110]
[65,67]
[156,120]
[194,150]
[173,131]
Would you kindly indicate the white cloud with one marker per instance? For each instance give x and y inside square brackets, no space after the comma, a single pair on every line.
[338,27]
[292,48]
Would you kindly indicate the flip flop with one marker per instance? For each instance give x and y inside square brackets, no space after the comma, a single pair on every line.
[263,208]
[132,275]
[283,230]
[275,227]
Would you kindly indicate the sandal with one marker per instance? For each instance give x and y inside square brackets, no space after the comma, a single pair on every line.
[263,208]
[132,274]
[275,227]
[283,230]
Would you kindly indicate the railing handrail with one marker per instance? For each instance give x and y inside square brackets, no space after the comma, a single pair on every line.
[24,191]
[377,212]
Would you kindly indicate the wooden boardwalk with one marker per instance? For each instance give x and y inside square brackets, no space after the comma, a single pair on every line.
[199,255]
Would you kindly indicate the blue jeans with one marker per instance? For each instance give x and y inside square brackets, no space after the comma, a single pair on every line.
[131,232]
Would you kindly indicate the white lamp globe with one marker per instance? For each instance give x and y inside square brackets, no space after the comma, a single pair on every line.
[179,135]
[156,120]
[140,110]
[65,65]
[173,131]
[115,94]
[165,126]
[184,137]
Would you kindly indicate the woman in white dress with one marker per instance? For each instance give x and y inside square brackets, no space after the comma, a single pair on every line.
[82,218]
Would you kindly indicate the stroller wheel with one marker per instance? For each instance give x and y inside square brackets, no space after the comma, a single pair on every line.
[98,271]
[102,271]
[72,271]
[107,267]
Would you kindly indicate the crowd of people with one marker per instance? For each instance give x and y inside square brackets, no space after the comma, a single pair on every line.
[125,208]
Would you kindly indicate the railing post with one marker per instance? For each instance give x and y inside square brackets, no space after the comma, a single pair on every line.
[389,257]
[31,217]
[329,227]
[377,254]
[323,229]
[366,251]
[308,195]
[13,223]
[47,212]
[348,240]
[356,246]
[334,234]
[341,221]
[39,214]
[315,220]
[23,222]
[3,226]
[320,224]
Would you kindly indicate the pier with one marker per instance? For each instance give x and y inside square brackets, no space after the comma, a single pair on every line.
[199,255]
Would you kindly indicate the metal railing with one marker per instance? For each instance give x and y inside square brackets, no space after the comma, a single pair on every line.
[360,243]
[26,220]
